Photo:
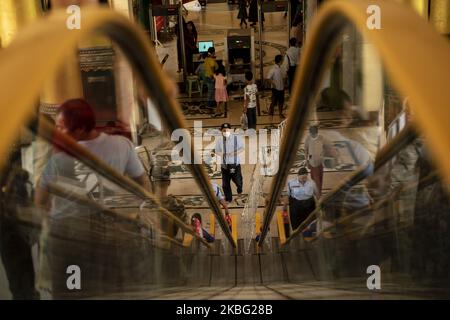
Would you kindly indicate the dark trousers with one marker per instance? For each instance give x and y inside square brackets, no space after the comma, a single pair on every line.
[16,256]
[211,92]
[277,99]
[251,117]
[227,176]
[299,210]
[291,73]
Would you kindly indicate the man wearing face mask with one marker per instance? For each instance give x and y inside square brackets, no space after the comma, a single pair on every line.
[300,197]
[228,147]
[316,146]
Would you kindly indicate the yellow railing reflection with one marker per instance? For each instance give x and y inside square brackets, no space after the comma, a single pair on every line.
[39,50]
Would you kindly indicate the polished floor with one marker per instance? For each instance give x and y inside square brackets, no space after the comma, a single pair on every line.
[317,290]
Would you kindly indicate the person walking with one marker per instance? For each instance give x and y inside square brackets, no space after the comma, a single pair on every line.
[210,68]
[228,147]
[190,42]
[275,75]
[221,94]
[250,100]
[316,146]
[242,14]
[196,223]
[300,198]
[160,179]
[221,198]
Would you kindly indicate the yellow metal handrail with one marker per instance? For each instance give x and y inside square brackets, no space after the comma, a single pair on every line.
[421,72]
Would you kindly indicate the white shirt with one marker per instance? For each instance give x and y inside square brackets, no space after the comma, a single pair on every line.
[293,54]
[118,152]
[217,191]
[299,190]
[276,75]
[250,91]
[233,143]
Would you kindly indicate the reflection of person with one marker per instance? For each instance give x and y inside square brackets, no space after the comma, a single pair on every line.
[300,197]
[228,148]
[77,119]
[316,146]
[71,219]
[160,178]
[42,152]
[334,98]
[210,68]
[15,246]
[196,223]
[362,145]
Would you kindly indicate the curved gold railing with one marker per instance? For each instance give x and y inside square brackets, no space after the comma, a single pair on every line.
[40,50]
[416,59]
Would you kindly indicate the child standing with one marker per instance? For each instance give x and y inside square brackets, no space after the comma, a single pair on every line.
[250,100]
[221,89]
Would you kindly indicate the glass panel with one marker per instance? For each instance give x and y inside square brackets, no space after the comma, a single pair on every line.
[366,222]
[69,218]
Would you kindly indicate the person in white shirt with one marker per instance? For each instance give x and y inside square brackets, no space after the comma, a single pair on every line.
[250,100]
[77,119]
[228,147]
[276,76]
[292,57]
[300,197]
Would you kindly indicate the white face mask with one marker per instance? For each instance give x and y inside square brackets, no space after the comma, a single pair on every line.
[226,134]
